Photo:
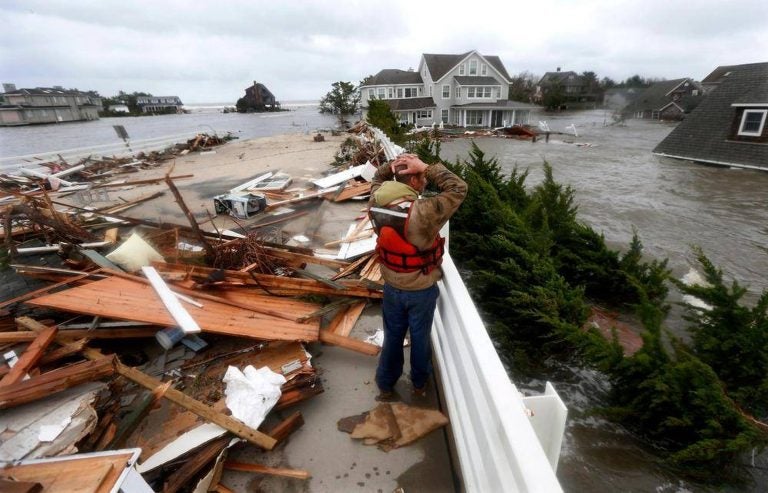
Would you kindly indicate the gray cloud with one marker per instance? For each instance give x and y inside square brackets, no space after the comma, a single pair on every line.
[209,51]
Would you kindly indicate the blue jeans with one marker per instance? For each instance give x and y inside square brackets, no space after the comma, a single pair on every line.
[402,310]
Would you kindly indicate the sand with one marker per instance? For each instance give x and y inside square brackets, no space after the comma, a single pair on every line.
[232,164]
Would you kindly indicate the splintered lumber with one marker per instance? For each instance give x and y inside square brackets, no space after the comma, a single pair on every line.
[43,385]
[352,267]
[31,356]
[349,343]
[273,284]
[273,471]
[353,190]
[227,422]
[134,418]
[123,299]
[184,475]
[302,258]
[66,350]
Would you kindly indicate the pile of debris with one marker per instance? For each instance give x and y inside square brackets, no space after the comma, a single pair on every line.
[215,323]
[63,178]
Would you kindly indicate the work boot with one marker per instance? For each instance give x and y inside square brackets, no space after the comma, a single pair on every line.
[387,396]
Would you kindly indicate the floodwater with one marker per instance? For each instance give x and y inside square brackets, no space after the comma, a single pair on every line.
[619,185]
[37,139]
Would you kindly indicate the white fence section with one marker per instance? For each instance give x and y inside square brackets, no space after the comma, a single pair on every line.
[504,442]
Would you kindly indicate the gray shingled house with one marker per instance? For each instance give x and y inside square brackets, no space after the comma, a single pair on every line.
[466,90]
[729,127]
[667,100]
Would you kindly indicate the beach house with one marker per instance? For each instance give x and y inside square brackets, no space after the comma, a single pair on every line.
[48,105]
[730,126]
[465,90]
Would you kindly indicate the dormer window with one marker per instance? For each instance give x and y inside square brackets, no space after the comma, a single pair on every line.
[752,123]
[483,69]
[462,68]
[473,67]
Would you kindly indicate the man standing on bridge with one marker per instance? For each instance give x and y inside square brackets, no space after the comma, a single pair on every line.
[410,251]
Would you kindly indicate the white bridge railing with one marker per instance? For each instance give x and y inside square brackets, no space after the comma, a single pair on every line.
[504,442]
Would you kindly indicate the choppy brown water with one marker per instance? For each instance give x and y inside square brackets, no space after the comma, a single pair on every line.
[619,185]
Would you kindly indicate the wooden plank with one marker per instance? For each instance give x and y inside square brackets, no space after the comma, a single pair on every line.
[129,424]
[122,299]
[66,350]
[49,383]
[349,343]
[309,259]
[348,319]
[275,284]
[66,336]
[352,267]
[172,304]
[31,356]
[73,474]
[272,471]
[227,422]
[43,290]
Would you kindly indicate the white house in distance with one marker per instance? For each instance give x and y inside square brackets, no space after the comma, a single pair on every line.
[466,90]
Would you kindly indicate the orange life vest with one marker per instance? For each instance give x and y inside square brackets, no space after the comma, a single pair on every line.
[394,250]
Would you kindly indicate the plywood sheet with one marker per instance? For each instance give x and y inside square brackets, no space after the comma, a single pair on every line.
[123,299]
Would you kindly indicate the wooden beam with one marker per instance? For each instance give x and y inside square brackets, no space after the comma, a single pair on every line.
[227,422]
[349,343]
[66,349]
[273,471]
[54,381]
[343,324]
[31,356]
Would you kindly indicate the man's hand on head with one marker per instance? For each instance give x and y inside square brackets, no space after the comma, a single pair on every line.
[413,164]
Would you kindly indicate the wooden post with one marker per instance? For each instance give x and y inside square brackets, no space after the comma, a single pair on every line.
[209,251]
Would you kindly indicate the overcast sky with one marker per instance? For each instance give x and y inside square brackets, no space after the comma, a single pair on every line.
[209,51]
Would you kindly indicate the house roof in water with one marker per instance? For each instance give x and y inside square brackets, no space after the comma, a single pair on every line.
[395,76]
[704,134]
[655,97]
[440,64]
[410,103]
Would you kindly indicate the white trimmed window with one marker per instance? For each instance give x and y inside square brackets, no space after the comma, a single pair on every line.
[410,92]
[371,94]
[475,117]
[752,123]
[399,93]
[473,67]
[424,114]
[446,91]
[390,93]
[470,92]
[483,69]
[497,92]
[381,93]
[462,68]
[458,92]
[444,116]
